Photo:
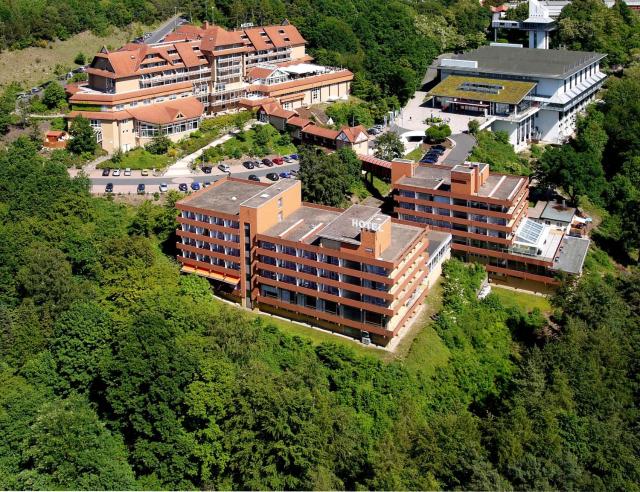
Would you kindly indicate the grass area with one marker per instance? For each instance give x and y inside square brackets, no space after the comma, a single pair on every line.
[523,300]
[138,159]
[494,149]
[32,66]
[415,155]
[317,336]
[426,351]
[598,261]
[361,190]
[259,141]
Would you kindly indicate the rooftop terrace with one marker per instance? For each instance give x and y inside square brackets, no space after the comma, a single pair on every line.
[498,186]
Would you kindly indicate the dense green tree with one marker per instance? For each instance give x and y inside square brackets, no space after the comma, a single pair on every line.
[83,138]
[159,144]
[437,133]
[53,95]
[388,146]
[67,447]
[327,178]
[80,59]
[577,173]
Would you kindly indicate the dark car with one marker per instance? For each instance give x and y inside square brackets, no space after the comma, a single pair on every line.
[285,175]
[253,177]
[248,164]
[267,162]
[436,151]
[106,171]
[195,186]
[206,169]
[141,188]
[278,160]
[429,160]
[439,147]
[108,188]
[183,187]
[295,157]
[207,183]
[273,176]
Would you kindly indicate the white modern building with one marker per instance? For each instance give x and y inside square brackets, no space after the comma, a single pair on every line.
[531,94]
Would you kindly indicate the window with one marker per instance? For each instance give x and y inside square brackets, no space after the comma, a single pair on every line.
[315,94]
[280,202]
[280,217]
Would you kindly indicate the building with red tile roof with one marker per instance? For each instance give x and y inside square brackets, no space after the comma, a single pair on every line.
[222,69]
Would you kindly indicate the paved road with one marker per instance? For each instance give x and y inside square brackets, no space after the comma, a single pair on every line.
[464,145]
[122,184]
[159,34]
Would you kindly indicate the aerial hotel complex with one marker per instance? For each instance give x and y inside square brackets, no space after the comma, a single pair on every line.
[487,215]
[351,271]
[141,90]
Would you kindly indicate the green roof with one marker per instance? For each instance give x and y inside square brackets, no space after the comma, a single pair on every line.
[482,89]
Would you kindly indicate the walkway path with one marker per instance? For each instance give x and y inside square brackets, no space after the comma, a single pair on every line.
[460,152]
[182,167]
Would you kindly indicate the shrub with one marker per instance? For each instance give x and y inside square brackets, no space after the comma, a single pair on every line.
[437,133]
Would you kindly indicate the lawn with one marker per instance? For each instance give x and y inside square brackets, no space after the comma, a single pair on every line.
[425,350]
[139,159]
[259,141]
[415,155]
[523,300]
[32,66]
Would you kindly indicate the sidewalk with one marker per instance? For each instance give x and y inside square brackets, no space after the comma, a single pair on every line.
[182,167]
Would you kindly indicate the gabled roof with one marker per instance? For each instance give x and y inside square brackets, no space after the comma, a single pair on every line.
[299,122]
[168,112]
[354,134]
[274,109]
[321,132]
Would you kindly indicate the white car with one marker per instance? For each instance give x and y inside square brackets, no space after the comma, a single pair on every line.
[116,172]
[127,171]
[224,168]
[163,187]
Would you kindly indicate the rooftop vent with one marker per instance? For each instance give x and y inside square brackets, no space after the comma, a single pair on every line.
[264,195]
[233,198]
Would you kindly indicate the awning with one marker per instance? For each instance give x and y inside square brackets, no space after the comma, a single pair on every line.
[212,275]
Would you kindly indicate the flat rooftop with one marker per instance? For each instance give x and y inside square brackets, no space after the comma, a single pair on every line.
[498,186]
[342,228]
[436,239]
[483,89]
[225,197]
[527,62]
[571,254]
[309,224]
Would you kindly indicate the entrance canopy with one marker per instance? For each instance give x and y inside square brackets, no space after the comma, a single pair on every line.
[482,89]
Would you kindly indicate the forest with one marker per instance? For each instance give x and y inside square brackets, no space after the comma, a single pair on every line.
[117,372]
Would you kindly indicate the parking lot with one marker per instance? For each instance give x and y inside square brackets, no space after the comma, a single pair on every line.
[129,184]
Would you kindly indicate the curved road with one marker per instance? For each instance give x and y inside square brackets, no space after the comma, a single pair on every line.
[460,153]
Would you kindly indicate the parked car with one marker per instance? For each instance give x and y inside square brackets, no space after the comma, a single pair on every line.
[144,172]
[267,162]
[108,188]
[278,160]
[273,176]
[287,158]
[428,160]
[127,171]
[183,187]
[248,164]
[373,131]
[285,175]
[163,187]
[294,172]
[206,169]
[106,171]
[224,168]
[253,177]
[295,157]
[141,188]
[258,164]
[195,186]
[439,147]
[206,183]
[116,172]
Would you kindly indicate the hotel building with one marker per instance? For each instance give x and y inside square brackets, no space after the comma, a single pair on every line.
[140,90]
[350,270]
[487,215]
[531,94]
